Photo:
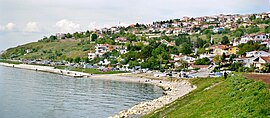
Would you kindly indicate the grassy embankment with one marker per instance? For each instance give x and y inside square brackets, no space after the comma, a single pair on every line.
[89,70]
[234,97]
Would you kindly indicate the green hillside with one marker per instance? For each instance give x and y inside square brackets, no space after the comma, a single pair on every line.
[235,97]
[55,50]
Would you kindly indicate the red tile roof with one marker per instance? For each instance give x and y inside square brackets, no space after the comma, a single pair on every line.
[267,59]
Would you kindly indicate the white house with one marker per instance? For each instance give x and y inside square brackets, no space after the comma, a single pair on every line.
[104,62]
[91,56]
[246,61]
[121,40]
[218,29]
[261,61]
[245,39]
[257,54]
[121,49]
[101,49]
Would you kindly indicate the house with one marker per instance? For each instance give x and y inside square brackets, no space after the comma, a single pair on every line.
[217,50]
[259,62]
[164,42]
[28,51]
[101,49]
[266,43]
[91,56]
[232,50]
[60,35]
[260,37]
[104,62]
[121,49]
[183,57]
[246,61]
[245,39]
[218,29]
[171,44]
[200,67]
[121,40]
[257,54]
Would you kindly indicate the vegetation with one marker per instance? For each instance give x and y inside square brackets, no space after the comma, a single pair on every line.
[234,97]
[203,61]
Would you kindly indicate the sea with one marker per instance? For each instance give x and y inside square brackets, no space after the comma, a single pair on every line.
[32,94]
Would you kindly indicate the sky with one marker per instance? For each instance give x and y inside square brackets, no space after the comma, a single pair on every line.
[24,21]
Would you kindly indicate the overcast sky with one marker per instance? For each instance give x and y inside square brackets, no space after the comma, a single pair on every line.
[23,21]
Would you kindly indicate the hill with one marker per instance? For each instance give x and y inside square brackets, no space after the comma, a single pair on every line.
[215,97]
[55,50]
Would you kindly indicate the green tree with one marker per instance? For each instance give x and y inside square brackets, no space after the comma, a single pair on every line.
[87,33]
[94,37]
[203,61]
[238,32]
[77,60]
[132,64]
[68,35]
[185,48]
[225,40]
[160,59]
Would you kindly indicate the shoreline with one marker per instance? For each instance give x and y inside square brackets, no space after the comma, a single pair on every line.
[172,90]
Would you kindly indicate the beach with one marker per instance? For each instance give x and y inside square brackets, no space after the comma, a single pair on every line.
[172,89]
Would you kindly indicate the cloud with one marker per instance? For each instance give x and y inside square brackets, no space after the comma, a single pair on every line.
[32,27]
[8,27]
[93,26]
[67,26]
[124,24]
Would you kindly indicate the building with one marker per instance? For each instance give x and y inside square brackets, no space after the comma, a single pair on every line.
[246,61]
[259,62]
[217,50]
[101,49]
[121,40]
[91,56]
[257,54]
[218,29]
[232,50]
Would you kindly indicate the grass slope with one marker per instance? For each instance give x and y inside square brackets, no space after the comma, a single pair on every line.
[57,50]
[234,97]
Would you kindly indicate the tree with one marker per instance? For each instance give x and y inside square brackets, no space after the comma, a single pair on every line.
[94,37]
[86,60]
[183,63]
[225,40]
[52,38]
[223,57]
[253,29]
[76,35]
[203,61]
[160,59]
[132,64]
[68,35]
[77,60]
[238,32]
[217,59]
[87,33]
[185,48]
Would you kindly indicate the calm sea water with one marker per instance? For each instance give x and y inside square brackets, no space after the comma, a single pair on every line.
[30,94]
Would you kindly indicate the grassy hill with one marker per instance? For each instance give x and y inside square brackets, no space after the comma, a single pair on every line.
[234,97]
[56,50]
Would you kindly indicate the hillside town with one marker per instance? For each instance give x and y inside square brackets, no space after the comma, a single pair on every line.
[185,48]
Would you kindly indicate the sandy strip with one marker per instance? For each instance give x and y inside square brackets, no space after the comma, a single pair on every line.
[172,90]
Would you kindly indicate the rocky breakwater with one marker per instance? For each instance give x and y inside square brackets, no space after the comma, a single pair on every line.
[173,90]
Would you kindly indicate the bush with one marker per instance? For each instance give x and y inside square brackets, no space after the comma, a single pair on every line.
[203,61]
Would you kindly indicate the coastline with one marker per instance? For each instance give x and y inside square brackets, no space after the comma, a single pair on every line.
[172,90]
